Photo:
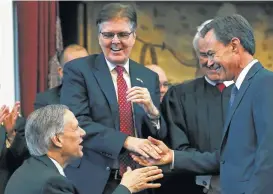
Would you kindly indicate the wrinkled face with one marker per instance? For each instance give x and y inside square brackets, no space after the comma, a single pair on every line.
[116,48]
[72,137]
[221,60]
[164,84]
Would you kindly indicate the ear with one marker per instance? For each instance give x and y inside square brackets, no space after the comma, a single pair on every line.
[235,44]
[60,71]
[57,141]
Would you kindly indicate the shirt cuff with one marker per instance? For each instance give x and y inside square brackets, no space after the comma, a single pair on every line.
[203,181]
[172,164]
[155,121]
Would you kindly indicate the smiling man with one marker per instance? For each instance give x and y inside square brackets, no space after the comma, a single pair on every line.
[116,101]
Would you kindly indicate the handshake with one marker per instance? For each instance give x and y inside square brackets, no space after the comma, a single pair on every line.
[148,152]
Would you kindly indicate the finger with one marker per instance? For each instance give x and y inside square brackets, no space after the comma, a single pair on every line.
[152,185]
[154,141]
[135,88]
[141,161]
[151,152]
[157,149]
[139,94]
[142,153]
[147,169]
[129,169]
[154,177]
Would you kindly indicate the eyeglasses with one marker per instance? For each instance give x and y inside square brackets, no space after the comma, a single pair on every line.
[120,35]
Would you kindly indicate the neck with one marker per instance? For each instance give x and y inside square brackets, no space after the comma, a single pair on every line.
[245,59]
[58,157]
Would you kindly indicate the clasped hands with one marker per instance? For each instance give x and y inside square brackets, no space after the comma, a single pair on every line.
[149,152]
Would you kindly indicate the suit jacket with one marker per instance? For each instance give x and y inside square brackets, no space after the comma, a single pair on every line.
[247,151]
[51,96]
[89,92]
[194,112]
[11,158]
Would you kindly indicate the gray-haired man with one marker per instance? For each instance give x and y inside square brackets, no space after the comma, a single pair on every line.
[54,139]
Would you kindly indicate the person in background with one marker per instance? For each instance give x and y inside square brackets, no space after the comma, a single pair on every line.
[13,148]
[52,96]
[54,139]
[116,101]
[163,80]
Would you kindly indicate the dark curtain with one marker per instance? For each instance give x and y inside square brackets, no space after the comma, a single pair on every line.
[36,42]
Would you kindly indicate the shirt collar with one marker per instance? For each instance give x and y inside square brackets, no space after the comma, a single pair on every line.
[112,66]
[243,73]
[227,83]
[58,166]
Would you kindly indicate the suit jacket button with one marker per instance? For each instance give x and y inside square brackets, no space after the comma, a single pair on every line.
[204,183]
[108,168]
[222,161]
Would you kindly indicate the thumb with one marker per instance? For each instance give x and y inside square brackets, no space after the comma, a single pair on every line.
[129,169]
[153,140]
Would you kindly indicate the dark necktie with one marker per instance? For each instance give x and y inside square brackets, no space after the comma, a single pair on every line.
[234,91]
[125,118]
[220,86]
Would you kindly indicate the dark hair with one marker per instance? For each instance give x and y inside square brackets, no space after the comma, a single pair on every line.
[117,10]
[227,27]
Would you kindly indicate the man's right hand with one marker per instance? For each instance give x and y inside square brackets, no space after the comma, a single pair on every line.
[141,178]
[142,147]
[166,155]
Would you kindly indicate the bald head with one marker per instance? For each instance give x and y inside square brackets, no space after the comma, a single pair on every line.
[164,85]
[70,53]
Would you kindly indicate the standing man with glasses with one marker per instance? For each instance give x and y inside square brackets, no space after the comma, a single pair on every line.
[116,102]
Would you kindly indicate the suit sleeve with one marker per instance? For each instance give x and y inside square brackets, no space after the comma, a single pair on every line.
[58,185]
[260,181]
[121,190]
[40,101]
[99,138]
[186,158]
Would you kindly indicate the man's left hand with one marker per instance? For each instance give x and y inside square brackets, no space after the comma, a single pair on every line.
[142,97]
[10,121]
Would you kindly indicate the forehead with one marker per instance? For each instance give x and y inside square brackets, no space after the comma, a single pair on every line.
[69,118]
[210,41]
[116,25]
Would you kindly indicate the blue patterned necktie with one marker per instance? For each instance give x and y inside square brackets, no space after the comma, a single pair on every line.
[234,91]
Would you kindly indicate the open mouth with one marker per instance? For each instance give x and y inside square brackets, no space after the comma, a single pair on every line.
[115,48]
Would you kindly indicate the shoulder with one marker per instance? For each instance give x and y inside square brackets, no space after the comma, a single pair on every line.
[188,86]
[57,184]
[48,92]
[82,63]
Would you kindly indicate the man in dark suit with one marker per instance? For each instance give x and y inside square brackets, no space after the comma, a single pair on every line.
[13,149]
[54,139]
[116,101]
[52,96]
[246,152]
[246,149]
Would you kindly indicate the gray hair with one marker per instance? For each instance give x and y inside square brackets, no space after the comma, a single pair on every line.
[41,126]
[117,10]
[198,34]
[227,27]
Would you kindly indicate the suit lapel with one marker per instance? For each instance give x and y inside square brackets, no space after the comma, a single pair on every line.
[2,138]
[246,83]
[103,76]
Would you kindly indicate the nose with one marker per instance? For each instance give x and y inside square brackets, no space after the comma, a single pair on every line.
[82,132]
[115,39]
[210,62]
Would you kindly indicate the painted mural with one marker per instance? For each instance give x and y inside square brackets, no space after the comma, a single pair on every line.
[166,30]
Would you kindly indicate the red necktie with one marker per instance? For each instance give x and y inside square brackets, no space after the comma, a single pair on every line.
[220,86]
[125,118]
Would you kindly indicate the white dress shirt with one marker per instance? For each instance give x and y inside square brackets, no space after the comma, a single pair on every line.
[243,73]
[58,166]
